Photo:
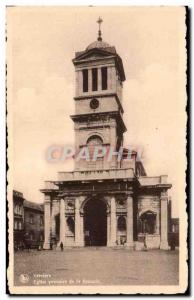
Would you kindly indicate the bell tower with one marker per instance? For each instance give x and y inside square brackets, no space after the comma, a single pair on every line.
[98,118]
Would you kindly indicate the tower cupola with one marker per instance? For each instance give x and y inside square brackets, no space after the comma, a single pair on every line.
[99,76]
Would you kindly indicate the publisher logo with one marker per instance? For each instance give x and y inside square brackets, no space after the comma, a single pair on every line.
[24,278]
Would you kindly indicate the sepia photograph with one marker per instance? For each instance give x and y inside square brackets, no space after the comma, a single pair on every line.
[96,120]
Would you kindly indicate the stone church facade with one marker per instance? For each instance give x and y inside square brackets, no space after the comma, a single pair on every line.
[104,202]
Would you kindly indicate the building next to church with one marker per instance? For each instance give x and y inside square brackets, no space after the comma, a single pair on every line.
[104,202]
[28,222]
[18,218]
[33,223]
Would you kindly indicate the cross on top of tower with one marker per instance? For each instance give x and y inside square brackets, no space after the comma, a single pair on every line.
[99,21]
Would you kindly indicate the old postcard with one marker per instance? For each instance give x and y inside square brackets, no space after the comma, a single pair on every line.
[96,101]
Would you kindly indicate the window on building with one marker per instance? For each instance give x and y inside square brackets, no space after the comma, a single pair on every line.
[70,225]
[15,225]
[16,209]
[31,219]
[94,79]
[93,141]
[104,78]
[121,223]
[31,236]
[41,220]
[41,237]
[148,222]
[20,225]
[19,210]
[85,80]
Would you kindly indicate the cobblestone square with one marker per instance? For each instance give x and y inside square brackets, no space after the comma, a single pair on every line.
[96,266]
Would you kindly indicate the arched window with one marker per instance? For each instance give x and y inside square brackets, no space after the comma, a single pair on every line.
[121,223]
[70,225]
[92,142]
[148,222]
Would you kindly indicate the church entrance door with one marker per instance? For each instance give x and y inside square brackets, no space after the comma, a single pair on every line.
[95,223]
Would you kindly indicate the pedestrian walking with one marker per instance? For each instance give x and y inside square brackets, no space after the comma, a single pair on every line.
[145,244]
[61,246]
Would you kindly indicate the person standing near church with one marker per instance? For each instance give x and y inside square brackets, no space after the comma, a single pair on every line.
[61,246]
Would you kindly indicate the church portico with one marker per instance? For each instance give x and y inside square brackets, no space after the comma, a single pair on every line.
[107,213]
[90,219]
[108,200]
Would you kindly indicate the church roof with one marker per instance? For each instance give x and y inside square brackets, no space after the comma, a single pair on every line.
[101,45]
[102,48]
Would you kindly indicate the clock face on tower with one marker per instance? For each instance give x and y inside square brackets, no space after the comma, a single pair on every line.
[94,103]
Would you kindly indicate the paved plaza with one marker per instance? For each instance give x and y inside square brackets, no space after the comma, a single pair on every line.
[96,266]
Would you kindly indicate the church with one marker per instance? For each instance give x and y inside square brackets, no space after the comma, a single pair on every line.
[104,202]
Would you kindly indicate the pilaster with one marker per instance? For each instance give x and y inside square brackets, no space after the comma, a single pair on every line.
[108,230]
[81,241]
[99,79]
[89,80]
[53,215]
[62,221]
[130,242]
[158,222]
[77,222]
[47,222]
[109,70]
[164,221]
[113,220]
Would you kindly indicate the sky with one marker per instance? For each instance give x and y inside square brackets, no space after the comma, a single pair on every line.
[41,85]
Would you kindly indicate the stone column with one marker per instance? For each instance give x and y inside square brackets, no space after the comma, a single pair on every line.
[113,223]
[113,141]
[108,230]
[80,82]
[47,222]
[77,222]
[53,214]
[89,80]
[99,79]
[76,83]
[62,221]
[114,81]
[109,83]
[130,221]
[164,222]
[158,222]
[82,230]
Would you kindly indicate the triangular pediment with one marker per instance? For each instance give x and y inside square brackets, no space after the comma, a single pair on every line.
[93,54]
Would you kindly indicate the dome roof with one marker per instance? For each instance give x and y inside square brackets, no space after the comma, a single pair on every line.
[98,44]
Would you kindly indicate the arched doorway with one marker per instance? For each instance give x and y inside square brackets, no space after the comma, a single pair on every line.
[95,223]
[148,222]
